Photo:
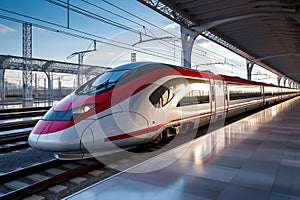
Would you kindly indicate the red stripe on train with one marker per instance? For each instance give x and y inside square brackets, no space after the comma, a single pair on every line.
[148,130]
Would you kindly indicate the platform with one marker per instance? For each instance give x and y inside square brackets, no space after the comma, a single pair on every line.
[257,157]
[11,105]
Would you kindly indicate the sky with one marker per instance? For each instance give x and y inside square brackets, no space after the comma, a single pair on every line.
[133,34]
[48,44]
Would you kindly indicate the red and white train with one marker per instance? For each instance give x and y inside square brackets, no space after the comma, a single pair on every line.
[134,103]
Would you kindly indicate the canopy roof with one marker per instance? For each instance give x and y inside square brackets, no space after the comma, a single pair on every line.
[266,32]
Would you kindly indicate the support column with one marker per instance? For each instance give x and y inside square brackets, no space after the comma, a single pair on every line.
[284,81]
[290,83]
[250,66]
[46,70]
[2,87]
[36,86]
[278,80]
[27,71]
[187,40]
[79,76]
[49,93]
[59,88]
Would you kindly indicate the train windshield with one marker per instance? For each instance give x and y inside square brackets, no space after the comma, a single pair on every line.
[101,83]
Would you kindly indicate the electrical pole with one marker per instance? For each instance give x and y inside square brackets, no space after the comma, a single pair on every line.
[27,71]
[80,62]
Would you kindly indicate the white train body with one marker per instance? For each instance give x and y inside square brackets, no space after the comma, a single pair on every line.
[133,104]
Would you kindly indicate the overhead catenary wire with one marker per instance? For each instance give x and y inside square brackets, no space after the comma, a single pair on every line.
[97,17]
[141,50]
[110,12]
[111,4]
[94,16]
[111,22]
[146,21]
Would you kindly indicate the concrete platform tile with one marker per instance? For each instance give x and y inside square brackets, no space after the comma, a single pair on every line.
[254,180]
[271,155]
[291,163]
[294,197]
[282,185]
[235,153]
[214,172]
[227,161]
[202,187]
[278,196]
[175,195]
[295,189]
[264,167]
[236,192]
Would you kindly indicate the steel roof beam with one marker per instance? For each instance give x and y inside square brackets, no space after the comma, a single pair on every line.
[276,56]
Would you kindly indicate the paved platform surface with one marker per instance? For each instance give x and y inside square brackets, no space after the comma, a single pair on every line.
[257,157]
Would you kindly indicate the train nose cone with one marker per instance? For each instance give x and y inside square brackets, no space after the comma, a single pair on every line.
[54,136]
[38,129]
[33,140]
[87,140]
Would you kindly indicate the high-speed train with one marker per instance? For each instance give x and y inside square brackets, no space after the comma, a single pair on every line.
[137,102]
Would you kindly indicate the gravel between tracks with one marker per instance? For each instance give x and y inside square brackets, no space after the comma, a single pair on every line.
[22,158]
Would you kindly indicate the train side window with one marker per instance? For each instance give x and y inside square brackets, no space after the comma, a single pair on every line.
[193,98]
[185,101]
[237,91]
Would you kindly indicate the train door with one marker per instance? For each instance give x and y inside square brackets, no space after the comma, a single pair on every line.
[217,100]
[226,98]
[212,99]
[220,99]
[262,94]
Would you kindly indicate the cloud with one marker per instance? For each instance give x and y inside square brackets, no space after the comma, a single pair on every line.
[39,29]
[172,27]
[5,29]
[201,40]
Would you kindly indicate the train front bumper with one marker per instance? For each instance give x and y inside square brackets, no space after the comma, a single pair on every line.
[64,140]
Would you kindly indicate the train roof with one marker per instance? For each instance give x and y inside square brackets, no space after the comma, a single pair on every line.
[192,72]
[130,66]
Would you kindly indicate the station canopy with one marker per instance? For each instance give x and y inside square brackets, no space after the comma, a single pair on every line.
[265,32]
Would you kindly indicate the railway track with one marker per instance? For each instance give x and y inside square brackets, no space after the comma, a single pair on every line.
[41,178]
[18,123]
[31,180]
[20,117]
[15,110]
[13,115]
[14,140]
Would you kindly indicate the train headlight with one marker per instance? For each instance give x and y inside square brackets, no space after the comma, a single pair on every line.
[78,112]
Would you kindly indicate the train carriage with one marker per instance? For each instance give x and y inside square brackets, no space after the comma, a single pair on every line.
[135,103]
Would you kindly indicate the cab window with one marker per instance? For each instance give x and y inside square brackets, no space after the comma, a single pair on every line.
[161,96]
